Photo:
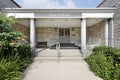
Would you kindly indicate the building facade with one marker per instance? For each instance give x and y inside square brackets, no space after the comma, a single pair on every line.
[82,27]
[85,28]
[8,4]
[114,4]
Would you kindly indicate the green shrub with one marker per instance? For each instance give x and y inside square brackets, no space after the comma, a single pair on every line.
[23,50]
[12,67]
[13,61]
[15,52]
[105,62]
[6,23]
[9,70]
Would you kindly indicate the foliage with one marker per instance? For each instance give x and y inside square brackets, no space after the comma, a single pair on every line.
[15,52]
[11,67]
[105,62]
[6,23]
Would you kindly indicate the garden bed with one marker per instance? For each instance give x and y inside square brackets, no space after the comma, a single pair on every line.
[105,62]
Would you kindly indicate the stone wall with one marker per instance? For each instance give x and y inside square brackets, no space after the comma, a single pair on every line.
[23,29]
[51,35]
[114,4]
[75,35]
[95,34]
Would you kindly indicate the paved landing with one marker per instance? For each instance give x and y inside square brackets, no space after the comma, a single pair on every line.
[73,67]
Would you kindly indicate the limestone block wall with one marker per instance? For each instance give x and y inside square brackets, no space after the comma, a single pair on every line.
[75,34]
[95,34]
[47,34]
[23,29]
[114,4]
[51,35]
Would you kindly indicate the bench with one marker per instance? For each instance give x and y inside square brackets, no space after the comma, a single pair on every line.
[41,44]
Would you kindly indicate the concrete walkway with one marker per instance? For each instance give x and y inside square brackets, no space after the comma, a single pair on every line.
[71,67]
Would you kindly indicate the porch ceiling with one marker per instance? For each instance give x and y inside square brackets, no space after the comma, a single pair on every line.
[59,22]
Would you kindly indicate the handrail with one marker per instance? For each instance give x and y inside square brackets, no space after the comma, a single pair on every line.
[58,50]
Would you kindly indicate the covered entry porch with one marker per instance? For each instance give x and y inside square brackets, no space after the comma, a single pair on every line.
[84,33]
[67,30]
[89,32]
[81,27]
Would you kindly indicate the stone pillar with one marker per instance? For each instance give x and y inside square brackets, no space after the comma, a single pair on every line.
[106,32]
[32,32]
[83,36]
[111,33]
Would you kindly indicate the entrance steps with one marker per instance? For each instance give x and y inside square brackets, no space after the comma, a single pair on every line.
[66,46]
[60,59]
[65,55]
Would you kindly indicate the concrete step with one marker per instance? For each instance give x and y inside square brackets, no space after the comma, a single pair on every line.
[63,53]
[66,48]
[60,58]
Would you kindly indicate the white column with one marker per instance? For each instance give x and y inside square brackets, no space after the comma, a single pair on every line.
[111,33]
[32,32]
[106,32]
[83,36]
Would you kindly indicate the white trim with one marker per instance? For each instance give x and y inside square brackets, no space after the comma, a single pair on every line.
[111,32]
[97,15]
[85,10]
[72,15]
[83,36]
[21,15]
[106,32]
[32,32]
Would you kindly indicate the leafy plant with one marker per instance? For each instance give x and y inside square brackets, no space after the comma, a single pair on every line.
[6,23]
[105,62]
[15,52]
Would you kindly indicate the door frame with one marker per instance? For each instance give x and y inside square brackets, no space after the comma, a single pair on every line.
[64,35]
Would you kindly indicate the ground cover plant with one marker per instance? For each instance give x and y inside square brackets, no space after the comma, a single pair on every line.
[105,62]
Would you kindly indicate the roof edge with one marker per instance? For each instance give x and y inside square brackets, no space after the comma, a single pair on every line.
[16,3]
[100,3]
[94,10]
[57,8]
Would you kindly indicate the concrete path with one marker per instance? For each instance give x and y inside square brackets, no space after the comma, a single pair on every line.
[73,67]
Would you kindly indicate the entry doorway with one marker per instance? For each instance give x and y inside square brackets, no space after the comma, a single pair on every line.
[64,35]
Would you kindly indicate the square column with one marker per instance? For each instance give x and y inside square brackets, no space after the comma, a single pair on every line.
[106,32]
[110,32]
[83,36]
[32,32]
